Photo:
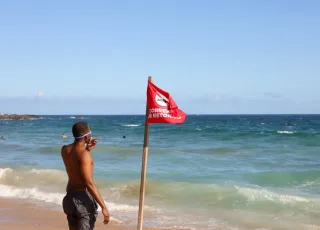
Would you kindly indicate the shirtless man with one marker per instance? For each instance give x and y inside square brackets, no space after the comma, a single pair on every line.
[80,203]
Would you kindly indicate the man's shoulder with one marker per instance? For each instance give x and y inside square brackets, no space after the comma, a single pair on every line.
[66,148]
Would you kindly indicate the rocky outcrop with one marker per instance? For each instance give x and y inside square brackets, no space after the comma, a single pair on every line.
[18,117]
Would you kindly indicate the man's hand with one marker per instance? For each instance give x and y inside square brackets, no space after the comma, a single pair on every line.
[106,217]
[92,144]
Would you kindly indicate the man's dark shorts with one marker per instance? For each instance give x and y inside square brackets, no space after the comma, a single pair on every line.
[81,210]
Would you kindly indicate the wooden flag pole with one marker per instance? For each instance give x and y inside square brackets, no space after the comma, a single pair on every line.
[144,167]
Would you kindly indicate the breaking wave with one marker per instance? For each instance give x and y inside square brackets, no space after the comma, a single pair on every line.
[285,132]
[131,125]
[47,185]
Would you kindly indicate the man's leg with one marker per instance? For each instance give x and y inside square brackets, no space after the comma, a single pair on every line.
[86,211]
[72,222]
[87,222]
[69,210]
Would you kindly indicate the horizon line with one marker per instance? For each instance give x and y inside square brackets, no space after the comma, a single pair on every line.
[140,114]
[191,114]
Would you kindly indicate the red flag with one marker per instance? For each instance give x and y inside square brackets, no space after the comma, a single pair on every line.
[162,108]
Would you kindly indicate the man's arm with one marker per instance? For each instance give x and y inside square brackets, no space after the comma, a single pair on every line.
[62,156]
[86,170]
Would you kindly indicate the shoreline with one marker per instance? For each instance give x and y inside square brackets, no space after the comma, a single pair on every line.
[16,214]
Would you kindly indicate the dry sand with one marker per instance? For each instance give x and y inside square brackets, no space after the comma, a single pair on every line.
[17,215]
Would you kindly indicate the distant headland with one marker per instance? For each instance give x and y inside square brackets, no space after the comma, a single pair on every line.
[18,117]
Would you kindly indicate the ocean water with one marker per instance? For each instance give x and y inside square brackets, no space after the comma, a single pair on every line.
[212,172]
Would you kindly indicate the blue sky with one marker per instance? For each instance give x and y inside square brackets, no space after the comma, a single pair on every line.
[94,57]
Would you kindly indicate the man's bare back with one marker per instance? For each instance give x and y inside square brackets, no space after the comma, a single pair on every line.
[80,203]
[71,156]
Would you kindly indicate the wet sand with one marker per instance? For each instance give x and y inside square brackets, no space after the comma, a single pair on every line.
[19,214]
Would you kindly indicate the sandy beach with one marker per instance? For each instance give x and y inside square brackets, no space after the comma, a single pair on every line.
[17,214]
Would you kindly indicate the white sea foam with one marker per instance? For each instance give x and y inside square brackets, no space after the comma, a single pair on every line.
[253,194]
[285,132]
[51,197]
[4,172]
[12,185]
[47,171]
[54,198]
[30,193]
[77,117]
[131,125]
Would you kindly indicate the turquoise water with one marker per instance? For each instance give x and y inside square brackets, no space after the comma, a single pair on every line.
[230,172]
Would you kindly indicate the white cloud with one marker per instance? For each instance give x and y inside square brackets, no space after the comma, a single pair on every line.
[40,94]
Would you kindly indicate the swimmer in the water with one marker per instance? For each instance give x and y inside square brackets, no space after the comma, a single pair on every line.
[124,137]
[64,136]
[2,138]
